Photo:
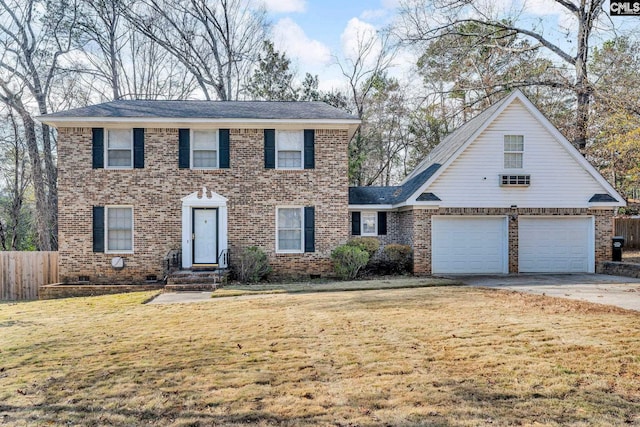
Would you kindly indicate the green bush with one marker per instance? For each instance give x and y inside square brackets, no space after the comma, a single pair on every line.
[398,258]
[368,244]
[348,260]
[252,265]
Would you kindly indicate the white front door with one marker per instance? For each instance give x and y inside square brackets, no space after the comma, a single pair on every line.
[205,236]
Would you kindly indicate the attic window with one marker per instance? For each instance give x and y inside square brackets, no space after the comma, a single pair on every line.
[513,151]
[515,180]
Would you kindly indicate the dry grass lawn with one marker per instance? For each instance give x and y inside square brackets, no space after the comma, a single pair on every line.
[434,356]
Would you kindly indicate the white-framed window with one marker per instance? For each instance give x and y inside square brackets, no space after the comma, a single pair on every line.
[289,229]
[513,151]
[118,229]
[289,149]
[204,149]
[369,223]
[119,148]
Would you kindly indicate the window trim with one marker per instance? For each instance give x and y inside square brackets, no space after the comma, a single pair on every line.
[106,148]
[106,230]
[375,221]
[302,241]
[277,149]
[192,139]
[505,152]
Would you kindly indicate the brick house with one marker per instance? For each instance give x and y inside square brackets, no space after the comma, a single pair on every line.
[141,179]
[504,193]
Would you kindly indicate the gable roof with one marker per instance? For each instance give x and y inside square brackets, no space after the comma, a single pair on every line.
[205,110]
[456,139]
[456,142]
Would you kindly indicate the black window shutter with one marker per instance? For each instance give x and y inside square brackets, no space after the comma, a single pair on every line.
[309,150]
[97,147]
[183,148]
[382,223]
[138,148]
[98,229]
[355,223]
[269,148]
[223,146]
[309,229]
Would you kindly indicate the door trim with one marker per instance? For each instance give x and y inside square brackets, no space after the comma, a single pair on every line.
[193,240]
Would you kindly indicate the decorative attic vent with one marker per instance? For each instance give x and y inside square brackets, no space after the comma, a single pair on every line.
[515,180]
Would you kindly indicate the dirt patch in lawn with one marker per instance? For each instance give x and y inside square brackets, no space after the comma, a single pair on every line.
[434,356]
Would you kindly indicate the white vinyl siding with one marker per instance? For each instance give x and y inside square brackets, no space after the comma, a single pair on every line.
[119,229]
[513,151]
[557,179]
[289,149]
[204,149]
[369,223]
[289,230]
[119,149]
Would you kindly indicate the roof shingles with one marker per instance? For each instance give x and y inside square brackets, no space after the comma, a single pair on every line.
[266,110]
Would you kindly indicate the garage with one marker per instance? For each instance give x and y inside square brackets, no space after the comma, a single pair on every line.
[469,245]
[556,245]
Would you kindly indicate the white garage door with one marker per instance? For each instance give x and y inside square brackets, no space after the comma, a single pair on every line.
[555,245]
[469,245]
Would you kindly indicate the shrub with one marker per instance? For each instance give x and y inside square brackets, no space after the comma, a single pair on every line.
[398,257]
[368,244]
[348,260]
[252,265]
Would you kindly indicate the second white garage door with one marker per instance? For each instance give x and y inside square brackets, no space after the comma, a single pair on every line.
[555,245]
[469,245]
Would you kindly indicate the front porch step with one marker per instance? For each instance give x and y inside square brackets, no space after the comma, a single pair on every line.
[191,287]
[191,277]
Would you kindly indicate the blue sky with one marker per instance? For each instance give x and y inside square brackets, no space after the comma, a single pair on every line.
[313,33]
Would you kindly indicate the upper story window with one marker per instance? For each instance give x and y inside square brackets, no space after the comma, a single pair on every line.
[289,149]
[204,150]
[513,151]
[119,148]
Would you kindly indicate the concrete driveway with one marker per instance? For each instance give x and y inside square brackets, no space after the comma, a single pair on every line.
[599,288]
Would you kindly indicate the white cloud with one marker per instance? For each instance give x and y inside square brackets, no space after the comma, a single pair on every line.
[357,34]
[374,14]
[289,37]
[285,6]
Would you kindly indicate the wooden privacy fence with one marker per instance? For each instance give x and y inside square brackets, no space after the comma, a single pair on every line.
[22,273]
[629,228]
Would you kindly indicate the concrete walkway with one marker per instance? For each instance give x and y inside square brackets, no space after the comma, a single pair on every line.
[598,288]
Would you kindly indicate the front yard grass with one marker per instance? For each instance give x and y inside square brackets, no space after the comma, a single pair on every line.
[425,356]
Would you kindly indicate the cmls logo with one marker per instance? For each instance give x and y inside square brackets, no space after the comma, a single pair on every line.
[624,8]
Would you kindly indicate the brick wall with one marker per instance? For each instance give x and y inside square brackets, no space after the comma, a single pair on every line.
[155,193]
[420,221]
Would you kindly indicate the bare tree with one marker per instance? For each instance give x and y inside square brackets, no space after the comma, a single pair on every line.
[33,36]
[372,55]
[128,63]
[15,181]
[217,42]
[428,20]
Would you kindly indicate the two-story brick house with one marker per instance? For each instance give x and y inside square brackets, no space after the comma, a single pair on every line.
[504,193]
[138,179]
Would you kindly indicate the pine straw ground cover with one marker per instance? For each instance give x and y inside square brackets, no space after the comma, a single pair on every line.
[433,356]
